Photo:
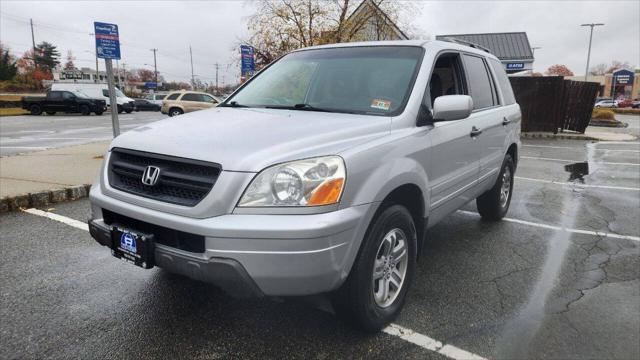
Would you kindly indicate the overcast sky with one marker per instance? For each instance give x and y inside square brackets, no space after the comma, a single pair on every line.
[214,29]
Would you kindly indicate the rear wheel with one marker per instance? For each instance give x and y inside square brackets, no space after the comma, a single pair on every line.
[375,290]
[84,110]
[99,112]
[175,112]
[120,109]
[129,111]
[35,109]
[494,204]
[51,112]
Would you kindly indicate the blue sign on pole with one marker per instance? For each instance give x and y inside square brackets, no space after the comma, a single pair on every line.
[247,62]
[107,40]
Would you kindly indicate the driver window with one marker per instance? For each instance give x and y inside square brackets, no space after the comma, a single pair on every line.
[446,78]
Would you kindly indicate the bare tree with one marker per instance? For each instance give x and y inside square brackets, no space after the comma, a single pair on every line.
[279,26]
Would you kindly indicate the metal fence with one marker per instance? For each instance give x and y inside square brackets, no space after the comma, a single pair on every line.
[551,103]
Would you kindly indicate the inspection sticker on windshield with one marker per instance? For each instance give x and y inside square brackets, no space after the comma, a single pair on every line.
[381,104]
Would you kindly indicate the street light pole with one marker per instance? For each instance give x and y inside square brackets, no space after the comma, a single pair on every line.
[155,67]
[592,25]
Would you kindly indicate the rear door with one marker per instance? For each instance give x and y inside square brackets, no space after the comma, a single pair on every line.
[54,101]
[488,116]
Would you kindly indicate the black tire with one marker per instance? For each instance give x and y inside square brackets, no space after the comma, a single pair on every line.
[494,204]
[99,112]
[35,109]
[120,109]
[355,301]
[84,110]
[175,112]
[129,111]
[51,112]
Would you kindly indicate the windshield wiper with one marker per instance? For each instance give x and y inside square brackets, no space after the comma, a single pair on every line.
[304,107]
[234,104]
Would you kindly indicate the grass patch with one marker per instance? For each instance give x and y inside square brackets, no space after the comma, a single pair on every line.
[10,97]
[603,114]
[13,111]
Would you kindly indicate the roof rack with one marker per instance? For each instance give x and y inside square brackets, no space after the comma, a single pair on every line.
[466,43]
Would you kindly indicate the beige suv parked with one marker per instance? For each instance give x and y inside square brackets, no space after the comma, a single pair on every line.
[180,102]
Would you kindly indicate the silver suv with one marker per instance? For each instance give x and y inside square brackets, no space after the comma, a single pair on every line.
[319,175]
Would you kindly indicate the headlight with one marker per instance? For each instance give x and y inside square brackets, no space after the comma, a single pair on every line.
[309,182]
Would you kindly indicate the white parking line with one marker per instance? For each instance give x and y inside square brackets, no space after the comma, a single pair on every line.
[578,185]
[575,161]
[560,228]
[428,343]
[63,219]
[577,148]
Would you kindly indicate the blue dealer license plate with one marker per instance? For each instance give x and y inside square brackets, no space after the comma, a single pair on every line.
[133,247]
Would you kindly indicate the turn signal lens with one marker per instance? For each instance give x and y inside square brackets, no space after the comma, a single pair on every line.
[327,193]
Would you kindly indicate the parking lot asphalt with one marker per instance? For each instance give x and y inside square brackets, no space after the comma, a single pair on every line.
[559,278]
[27,133]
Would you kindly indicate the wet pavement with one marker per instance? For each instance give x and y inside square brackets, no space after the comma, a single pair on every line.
[559,278]
[27,133]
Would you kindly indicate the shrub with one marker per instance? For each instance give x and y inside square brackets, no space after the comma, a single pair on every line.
[603,114]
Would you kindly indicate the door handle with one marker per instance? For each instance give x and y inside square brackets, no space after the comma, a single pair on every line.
[505,121]
[475,132]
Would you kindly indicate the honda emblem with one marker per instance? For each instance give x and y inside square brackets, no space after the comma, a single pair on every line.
[151,175]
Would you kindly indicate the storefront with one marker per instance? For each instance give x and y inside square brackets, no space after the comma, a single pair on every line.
[512,48]
[622,84]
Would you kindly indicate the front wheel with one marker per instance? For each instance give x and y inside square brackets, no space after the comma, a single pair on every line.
[175,112]
[129,111]
[494,204]
[375,290]
[99,112]
[84,110]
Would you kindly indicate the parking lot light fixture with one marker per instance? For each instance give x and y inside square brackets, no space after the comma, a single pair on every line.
[592,25]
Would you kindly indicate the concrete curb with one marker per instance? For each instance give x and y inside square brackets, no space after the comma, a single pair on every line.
[43,198]
[525,135]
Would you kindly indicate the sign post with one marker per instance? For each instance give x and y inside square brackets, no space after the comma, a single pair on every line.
[247,63]
[108,48]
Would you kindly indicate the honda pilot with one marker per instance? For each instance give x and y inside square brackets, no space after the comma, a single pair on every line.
[320,175]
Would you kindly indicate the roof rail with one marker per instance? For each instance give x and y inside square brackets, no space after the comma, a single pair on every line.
[466,43]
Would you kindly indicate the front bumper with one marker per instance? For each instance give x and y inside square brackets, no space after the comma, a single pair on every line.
[274,255]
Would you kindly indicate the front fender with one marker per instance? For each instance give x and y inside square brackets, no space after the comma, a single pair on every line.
[382,178]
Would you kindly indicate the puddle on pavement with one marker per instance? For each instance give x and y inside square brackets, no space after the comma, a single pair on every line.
[577,171]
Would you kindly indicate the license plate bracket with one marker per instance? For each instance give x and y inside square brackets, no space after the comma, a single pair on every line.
[133,247]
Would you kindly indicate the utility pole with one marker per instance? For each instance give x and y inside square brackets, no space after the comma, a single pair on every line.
[217,66]
[118,73]
[33,42]
[124,71]
[592,25]
[193,79]
[97,79]
[155,67]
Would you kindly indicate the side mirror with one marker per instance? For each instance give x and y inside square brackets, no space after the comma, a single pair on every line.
[452,107]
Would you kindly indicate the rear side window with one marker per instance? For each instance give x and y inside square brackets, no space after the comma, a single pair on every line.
[503,81]
[479,82]
[191,97]
[173,96]
[105,92]
[55,95]
[159,97]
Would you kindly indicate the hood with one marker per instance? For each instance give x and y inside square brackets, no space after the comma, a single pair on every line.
[248,139]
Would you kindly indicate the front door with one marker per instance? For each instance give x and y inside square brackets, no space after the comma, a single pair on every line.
[455,150]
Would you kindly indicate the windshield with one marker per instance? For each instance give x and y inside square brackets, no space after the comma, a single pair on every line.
[362,80]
